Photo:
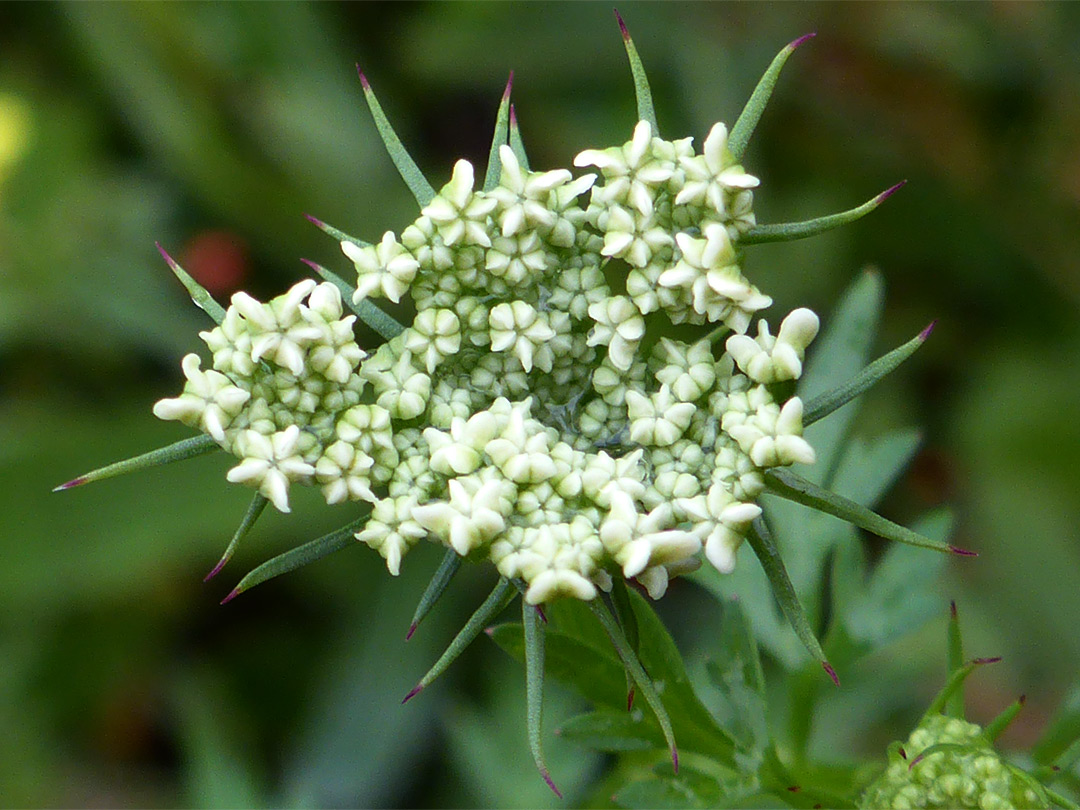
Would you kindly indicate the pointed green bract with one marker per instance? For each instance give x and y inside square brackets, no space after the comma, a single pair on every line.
[828,402]
[336,233]
[449,566]
[995,727]
[534,687]
[645,109]
[954,707]
[748,119]
[255,508]
[795,488]
[790,231]
[421,189]
[954,683]
[760,540]
[498,138]
[516,143]
[299,557]
[497,600]
[384,325]
[203,300]
[637,673]
[183,449]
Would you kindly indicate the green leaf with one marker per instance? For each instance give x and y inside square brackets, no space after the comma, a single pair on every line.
[180,451]
[203,300]
[516,143]
[737,675]
[449,566]
[645,109]
[299,557]
[843,344]
[898,596]
[595,672]
[795,488]
[790,231]
[339,235]
[1062,732]
[824,404]
[256,507]
[641,679]
[384,325]
[748,119]
[534,687]
[761,542]
[498,138]
[419,186]
[869,467]
[612,731]
[501,596]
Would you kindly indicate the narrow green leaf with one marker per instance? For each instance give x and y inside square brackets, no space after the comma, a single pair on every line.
[795,488]
[299,557]
[611,731]
[181,450]
[645,109]
[1060,801]
[498,138]
[995,727]
[256,507]
[790,231]
[738,677]
[624,612]
[955,682]
[449,566]
[337,234]
[384,325]
[761,542]
[1063,731]
[824,404]
[497,600]
[637,672]
[534,687]
[419,186]
[954,707]
[748,119]
[516,143]
[203,300]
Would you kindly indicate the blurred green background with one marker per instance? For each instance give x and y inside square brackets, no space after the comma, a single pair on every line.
[213,127]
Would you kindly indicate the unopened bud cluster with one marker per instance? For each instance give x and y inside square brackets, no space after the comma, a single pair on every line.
[948,763]
[534,412]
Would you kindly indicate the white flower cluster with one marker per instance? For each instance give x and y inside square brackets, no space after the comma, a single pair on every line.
[534,412]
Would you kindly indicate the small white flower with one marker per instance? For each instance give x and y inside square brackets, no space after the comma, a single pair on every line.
[391,530]
[459,214]
[474,516]
[711,175]
[209,401]
[657,420]
[769,359]
[270,463]
[519,327]
[435,335]
[523,195]
[619,326]
[387,268]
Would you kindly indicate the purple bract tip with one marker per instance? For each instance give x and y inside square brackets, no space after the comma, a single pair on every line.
[925,333]
[903,753]
[232,595]
[509,86]
[550,783]
[952,608]
[541,614]
[622,25]
[363,79]
[794,789]
[825,665]
[412,693]
[311,264]
[796,43]
[630,699]
[962,552]
[318,223]
[216,569]
[1022,700]
[915,762]
[675,759]
[883,196]
[169,259]
[981,661]
[412,629]
[489,632]
[74,482]
[513,117]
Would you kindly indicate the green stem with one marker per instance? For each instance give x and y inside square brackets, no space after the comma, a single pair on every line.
[534,687]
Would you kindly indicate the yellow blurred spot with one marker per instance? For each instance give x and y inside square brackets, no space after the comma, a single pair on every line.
[14,130]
